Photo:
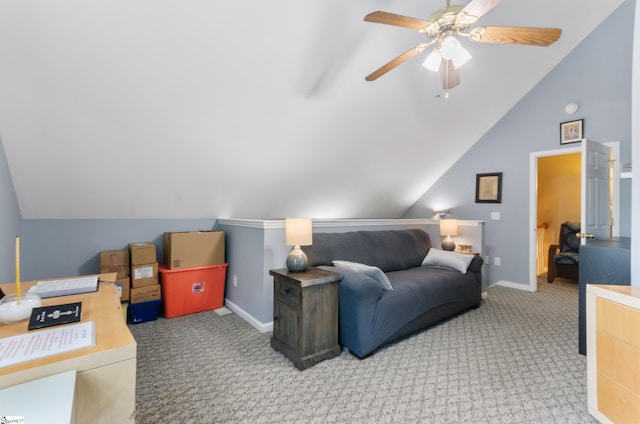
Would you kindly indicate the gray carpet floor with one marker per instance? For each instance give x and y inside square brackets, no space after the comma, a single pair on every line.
[513,360]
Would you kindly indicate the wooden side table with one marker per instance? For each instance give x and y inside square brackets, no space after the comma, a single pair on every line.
[305,315]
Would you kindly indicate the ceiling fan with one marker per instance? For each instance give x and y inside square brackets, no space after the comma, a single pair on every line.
[445,26]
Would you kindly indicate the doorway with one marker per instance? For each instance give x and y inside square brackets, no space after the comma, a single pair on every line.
[558,201]
[533,200]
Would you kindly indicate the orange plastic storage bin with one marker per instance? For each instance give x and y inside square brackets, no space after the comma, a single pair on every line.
[190,290]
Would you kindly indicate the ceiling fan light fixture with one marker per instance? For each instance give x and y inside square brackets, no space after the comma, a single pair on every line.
[451,49]
[432,62]
[446,26]
[461,57]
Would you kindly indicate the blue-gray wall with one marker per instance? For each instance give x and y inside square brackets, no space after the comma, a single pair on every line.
[597,76]
[9,221]
[54,248]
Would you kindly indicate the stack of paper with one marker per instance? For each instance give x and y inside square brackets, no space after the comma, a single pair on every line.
[64,287]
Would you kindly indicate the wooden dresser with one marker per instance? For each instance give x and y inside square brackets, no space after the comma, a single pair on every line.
[613,352]
[305,315]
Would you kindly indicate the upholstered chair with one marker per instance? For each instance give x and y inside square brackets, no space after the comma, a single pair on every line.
[564,257]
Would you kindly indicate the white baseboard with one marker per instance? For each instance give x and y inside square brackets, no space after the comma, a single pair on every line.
[260,326]
[511,285]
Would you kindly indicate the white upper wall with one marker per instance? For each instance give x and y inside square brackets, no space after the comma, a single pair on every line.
[196,109]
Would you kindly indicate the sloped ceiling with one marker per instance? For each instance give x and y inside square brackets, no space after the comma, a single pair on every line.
[211,108]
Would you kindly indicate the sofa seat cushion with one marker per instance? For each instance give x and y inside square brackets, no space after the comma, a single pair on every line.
[416,291]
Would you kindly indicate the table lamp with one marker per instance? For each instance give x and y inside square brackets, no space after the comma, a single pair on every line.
[448,228]
[298,232]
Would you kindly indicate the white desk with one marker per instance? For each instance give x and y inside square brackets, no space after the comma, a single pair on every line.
[45,400]
[106,372]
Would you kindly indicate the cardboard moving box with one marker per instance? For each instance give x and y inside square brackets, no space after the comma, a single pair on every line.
[144,275]
[115,261]
[123,288]
[121,271]
[145,294]
[143,253]
[114,258]
[193,249]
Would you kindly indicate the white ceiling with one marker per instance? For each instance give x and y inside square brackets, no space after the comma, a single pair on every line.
[211,108]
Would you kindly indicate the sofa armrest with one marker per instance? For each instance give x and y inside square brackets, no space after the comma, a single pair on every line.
[358,299]
[476,264]
[357,285]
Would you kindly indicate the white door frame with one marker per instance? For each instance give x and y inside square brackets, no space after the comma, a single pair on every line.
[533,200]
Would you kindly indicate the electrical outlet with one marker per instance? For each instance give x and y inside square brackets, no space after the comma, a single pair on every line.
[496,261]
[486,260]
[234,280]
[495,216]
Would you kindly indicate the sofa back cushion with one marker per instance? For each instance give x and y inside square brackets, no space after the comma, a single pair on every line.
[389,250]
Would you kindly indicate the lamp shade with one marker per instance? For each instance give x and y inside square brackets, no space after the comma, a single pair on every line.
[448,227]
[298,231]
[432,62]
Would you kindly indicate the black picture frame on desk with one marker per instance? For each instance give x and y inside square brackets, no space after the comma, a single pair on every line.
[489,187]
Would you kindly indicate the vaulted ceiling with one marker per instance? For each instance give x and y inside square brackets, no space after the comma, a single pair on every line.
[201,108]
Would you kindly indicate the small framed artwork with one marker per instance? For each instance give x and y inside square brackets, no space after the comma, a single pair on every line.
[572,131]
[489,188]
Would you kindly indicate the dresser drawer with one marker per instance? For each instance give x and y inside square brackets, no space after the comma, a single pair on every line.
[610,314]
[618,361]
[616,402]
[288,293]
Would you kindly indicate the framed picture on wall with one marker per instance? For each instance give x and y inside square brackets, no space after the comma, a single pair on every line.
[572,131]
[489,188]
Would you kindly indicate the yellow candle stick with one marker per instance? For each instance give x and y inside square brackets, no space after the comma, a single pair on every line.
[18,269]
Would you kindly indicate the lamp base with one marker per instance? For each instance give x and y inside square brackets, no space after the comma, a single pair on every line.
[297,260]
[448,244]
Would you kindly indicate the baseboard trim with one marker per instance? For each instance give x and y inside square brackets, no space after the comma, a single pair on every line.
[511,285]
[260,326]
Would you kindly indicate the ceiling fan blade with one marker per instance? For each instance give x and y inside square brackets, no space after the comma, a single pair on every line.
[395,62]
[516,35]
[396,20]
[478,8]
[450,75]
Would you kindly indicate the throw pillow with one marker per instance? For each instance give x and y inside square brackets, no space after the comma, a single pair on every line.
[370,271]
[446,259]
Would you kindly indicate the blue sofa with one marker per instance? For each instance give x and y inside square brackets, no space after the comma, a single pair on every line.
[372,316]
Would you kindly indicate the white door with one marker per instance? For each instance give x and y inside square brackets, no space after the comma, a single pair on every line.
[595,185]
